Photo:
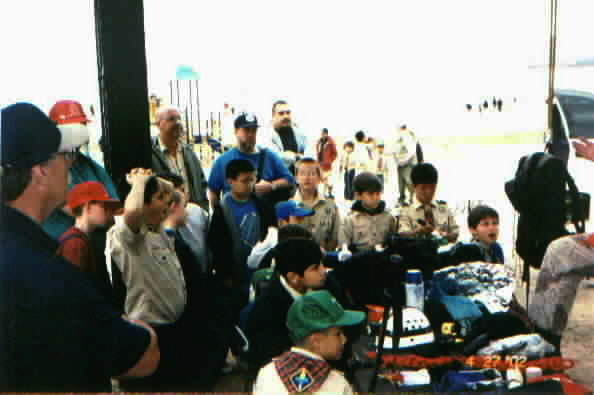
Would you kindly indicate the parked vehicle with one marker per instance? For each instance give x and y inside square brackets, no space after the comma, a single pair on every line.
[573,118]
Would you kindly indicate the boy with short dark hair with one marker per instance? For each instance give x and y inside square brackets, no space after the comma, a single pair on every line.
[144,255]
[92,208]
[298,269]
[324,224]
[239,221]
[315,322]
[347,165]
[368,223]
[426,216]
[483,223]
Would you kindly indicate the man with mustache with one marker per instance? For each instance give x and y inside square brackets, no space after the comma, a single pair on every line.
[285,138]
[171,155]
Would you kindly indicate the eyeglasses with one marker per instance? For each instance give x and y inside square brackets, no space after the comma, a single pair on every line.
[69,155]
[173,118]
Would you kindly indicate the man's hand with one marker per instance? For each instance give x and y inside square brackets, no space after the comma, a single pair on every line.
[263,187]
[138,174]
[149,361]
[584,148]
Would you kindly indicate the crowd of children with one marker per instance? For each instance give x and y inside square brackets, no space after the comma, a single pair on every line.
[195,280]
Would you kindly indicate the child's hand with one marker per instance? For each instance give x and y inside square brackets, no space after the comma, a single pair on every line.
[263,187]
[426,229]
[138,174]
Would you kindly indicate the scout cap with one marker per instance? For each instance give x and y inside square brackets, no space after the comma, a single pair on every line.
[291,208]
[316,311]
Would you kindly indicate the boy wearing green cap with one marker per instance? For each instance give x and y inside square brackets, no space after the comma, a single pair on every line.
[315,322]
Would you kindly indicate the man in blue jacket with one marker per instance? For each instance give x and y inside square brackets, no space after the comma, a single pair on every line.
[57,334]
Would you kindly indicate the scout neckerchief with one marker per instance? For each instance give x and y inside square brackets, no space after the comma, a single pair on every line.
[301,373]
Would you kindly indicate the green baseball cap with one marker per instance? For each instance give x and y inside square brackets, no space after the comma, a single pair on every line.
[316,311]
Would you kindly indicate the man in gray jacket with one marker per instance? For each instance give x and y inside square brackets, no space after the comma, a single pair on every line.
[171,155]
[284,138]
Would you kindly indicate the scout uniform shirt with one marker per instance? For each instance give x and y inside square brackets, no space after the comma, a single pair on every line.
[324,224]
[436,213]
[366,229]
[299,370]
[155,284]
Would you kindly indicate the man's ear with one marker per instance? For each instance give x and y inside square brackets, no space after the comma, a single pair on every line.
[38,172]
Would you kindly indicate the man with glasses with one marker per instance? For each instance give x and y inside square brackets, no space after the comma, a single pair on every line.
[57,334]
[70,118]
[284,138]
[171,155]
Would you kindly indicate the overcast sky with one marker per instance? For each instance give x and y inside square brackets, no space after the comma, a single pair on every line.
[341,64]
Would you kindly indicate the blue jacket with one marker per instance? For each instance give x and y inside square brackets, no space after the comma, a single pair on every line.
[57,333]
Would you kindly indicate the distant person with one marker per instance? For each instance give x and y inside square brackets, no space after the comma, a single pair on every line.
[368,223]
[499,105]
[380,163]
[326,155]
[494,103]
[403,148]
[347,166]
[57,333]
[469,107]
[284,137]
[485,105]
[170,154]
[315,322]
[361,156]
[272,175]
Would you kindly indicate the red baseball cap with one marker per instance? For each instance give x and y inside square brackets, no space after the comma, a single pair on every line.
[87,192]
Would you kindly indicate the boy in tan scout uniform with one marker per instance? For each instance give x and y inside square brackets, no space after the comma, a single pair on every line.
[368,223]
[425,216]
[324,224]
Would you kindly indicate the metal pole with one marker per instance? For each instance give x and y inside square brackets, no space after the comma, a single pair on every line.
[177,86]
[187,125]
[220,128]
[191,129]
[198,109]
[552,60]
[171,91]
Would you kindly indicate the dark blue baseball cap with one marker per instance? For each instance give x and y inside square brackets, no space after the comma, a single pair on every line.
[246,120]
[291,208]
[29,137]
